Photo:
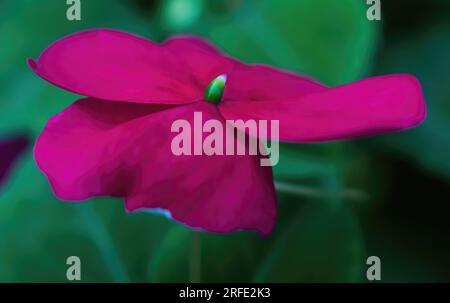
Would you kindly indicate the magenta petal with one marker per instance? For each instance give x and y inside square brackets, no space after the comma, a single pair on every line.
[265,83]
[244,82]
[114,65]
[201,60]
[102,148]
[367,107]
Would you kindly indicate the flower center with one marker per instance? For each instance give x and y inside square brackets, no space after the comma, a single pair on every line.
[214,91]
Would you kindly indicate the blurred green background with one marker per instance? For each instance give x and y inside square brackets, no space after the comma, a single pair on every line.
[339,203]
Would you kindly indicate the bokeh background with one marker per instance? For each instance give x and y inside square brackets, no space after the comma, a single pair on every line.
[339,203]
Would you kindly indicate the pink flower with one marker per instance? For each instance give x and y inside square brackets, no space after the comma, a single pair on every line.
[117,141]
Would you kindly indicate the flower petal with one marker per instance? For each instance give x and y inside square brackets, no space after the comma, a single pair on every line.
[98,148]
[203,61]
[117,66]
[367,107]
[265,83]
[244,81]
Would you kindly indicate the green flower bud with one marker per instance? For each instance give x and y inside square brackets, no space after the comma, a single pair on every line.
[214,91]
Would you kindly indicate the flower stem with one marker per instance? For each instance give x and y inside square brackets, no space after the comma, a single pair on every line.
[302,191]
[106,246]
[195,258]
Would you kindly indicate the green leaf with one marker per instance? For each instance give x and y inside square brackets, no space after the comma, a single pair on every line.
[304,162]
[399,263]
[320,244]
[224,258]
[39,233]
[423,56]
[330,40]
